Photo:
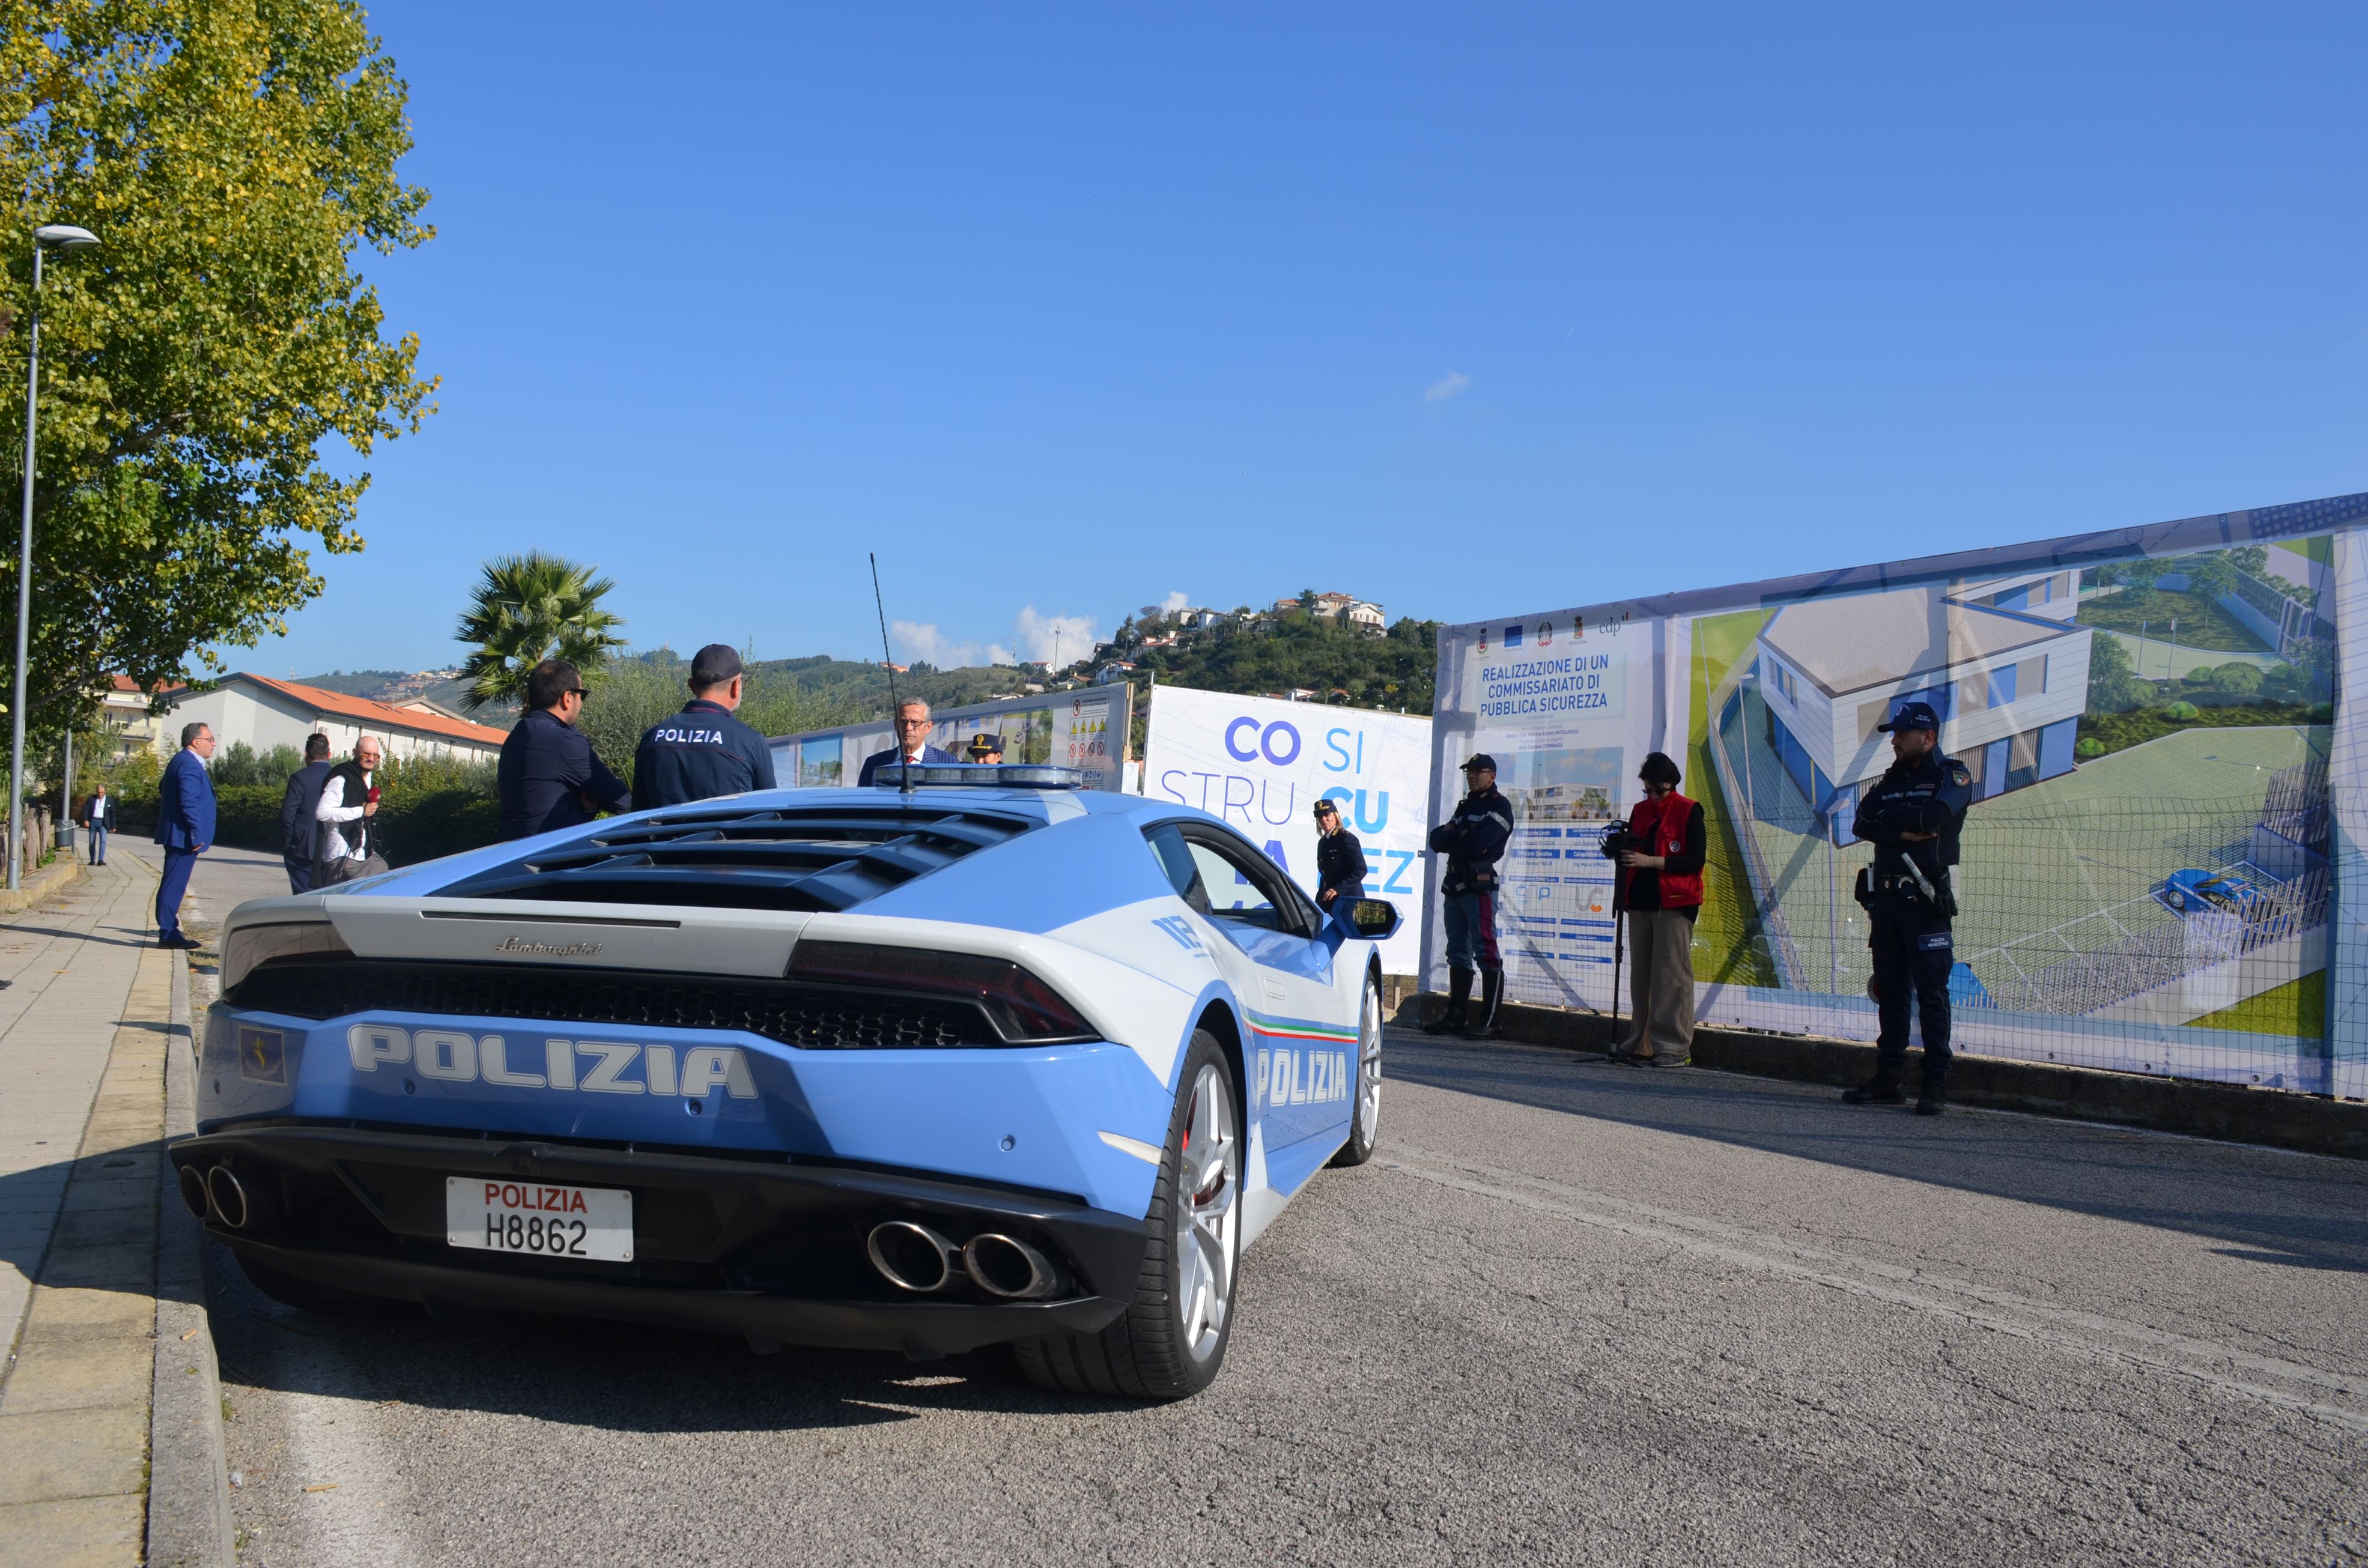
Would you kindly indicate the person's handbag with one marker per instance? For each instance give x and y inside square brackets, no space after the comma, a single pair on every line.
[343,870]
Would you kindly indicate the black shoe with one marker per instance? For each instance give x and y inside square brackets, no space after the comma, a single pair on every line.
[180,942]
[1932,1106]
[1459,994]
[1492,996]
[1881,1089]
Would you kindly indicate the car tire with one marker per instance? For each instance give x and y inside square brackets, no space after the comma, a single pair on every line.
[306,1296]
[1170,1341]
[1365,1116]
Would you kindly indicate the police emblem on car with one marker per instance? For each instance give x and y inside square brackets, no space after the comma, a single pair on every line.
[977,1057]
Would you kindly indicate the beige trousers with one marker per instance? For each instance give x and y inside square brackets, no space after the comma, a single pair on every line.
[1660,983]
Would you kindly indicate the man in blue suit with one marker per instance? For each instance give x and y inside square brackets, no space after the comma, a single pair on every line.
[185,826]
[912,742]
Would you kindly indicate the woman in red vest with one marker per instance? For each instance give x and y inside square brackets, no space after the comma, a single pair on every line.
[1664,887]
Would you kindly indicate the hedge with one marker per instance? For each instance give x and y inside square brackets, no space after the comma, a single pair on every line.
[247,816]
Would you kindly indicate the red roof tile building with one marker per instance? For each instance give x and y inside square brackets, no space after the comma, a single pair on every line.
[264,713]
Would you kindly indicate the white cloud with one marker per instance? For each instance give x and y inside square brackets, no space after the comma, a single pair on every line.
[1042,636]
[1037,636]
[921,642]
[1451,384]
[1177,600]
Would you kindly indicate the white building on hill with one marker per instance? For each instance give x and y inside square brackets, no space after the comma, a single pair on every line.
[266,713]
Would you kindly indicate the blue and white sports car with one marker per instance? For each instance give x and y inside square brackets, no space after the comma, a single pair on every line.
[987,1059]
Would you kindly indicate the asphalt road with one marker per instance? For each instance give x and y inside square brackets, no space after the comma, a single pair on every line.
[1572,1313]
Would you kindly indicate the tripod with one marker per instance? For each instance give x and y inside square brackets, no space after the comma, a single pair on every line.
[1618,944]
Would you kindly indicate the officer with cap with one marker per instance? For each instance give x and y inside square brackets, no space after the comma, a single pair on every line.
[1473,840]
[985,748]
[703,751]
[1912,816]
[1339,859]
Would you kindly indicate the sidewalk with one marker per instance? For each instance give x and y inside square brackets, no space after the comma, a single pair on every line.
[108,1435]
[83,1028]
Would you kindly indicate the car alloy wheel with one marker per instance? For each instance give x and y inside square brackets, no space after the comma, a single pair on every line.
[1208,1212]
[1366,1120]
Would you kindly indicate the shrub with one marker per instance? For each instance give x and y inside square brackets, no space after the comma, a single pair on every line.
[2182,711]
[2089,745]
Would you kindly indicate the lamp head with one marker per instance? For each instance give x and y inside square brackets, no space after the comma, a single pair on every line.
[64,236]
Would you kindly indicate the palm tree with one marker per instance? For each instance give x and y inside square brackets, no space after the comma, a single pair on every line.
[528,609]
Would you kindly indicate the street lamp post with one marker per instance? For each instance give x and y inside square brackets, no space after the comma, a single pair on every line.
[47,238]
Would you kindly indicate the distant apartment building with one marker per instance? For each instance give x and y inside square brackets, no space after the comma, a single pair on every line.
[123,708]
[1999,661]
[1341,607]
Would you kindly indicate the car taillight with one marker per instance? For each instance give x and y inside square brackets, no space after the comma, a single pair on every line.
[1022,1006]
[248,946]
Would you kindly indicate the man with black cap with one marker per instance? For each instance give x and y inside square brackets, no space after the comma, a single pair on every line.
[1339,859]
[1473,840]
[1912,816]
[703,751]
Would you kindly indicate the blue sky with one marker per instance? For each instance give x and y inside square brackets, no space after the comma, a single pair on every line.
[1469,310]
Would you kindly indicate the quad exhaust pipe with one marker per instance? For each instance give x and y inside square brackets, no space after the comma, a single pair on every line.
[193,1190]
[913,1257]
[219,1194]
[229,1195]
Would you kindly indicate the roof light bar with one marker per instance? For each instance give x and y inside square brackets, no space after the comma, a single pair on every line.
[978,775]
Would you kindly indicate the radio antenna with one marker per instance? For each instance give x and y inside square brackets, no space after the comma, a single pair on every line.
[888,657]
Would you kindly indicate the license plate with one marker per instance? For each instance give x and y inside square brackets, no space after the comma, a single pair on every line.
[539,1218]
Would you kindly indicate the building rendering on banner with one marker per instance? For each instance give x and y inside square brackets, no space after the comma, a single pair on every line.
[2169,788]
[1999,659]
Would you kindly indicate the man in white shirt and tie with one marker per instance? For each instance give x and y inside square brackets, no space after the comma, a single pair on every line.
[349,839]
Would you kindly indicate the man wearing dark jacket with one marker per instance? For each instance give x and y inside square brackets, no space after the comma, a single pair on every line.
[297,833]
[912,742]
[100,817]
[703,751]
[1339,859]
[1913,815]
[185,826]
[548,778]
[1473,840]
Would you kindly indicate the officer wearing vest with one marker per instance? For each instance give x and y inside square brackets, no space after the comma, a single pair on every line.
[1912,816]
[703,751]
[1473,840]
[1339,859]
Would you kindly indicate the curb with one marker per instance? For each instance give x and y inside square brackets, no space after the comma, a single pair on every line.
[63,873]
[2233,1113]
[189,1483]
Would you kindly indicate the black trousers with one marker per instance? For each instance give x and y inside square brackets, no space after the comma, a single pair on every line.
[300,872]
[1913,954]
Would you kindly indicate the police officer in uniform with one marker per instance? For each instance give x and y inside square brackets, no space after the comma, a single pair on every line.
[986,749]
[703,751]
[1473,840]
[1339,859]
[1912,816]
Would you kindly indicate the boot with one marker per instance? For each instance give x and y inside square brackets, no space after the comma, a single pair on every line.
[1881,1089]
[1492,992]
[1459,994]
[1934,1099]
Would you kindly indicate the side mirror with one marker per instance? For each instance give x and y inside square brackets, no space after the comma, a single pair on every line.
[1373,919]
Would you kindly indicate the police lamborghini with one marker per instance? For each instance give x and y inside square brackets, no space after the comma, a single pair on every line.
[973,1058]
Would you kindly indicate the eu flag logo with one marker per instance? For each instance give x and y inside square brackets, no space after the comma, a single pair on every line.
[263,1056]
